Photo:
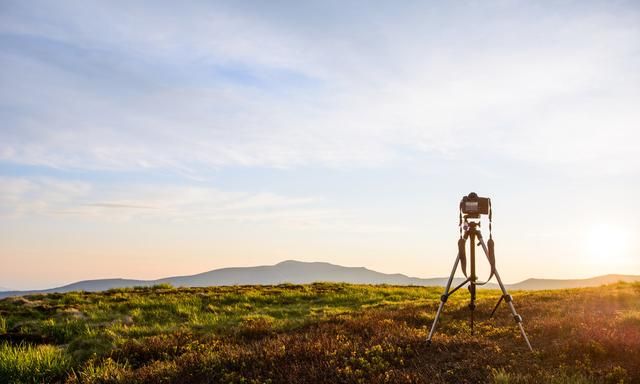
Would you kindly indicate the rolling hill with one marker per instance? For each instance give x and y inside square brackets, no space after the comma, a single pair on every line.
[298,272]
[538,284]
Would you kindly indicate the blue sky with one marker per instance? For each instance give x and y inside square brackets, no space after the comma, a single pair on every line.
[143,139]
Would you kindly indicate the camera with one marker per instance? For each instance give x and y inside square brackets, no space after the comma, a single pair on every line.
[474,206]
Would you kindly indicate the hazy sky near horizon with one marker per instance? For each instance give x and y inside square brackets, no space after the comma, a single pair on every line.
[149,139]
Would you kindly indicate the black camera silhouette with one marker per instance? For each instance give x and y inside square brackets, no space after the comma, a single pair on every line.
[474,206]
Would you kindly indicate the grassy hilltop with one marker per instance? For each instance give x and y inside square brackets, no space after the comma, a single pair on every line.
[331,333]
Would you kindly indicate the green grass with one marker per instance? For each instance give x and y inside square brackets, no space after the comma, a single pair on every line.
[318,333]
[32,364]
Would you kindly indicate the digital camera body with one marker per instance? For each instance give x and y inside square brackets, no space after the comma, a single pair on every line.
[473,206]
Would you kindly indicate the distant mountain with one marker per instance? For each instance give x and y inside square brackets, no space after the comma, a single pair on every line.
[298,272]
[85,285]
[295,272]
[538,284]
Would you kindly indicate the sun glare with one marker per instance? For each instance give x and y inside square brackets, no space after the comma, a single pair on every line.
[607,244]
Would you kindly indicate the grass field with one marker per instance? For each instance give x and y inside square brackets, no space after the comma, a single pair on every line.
[319,333]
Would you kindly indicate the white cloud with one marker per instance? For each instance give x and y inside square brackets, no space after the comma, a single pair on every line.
[47,196]
[63,199]
[24,197]
[223,85]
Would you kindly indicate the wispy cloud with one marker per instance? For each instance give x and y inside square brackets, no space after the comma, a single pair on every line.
[219,85]
[21,197]
[59,199]
[120,206]
[24,197]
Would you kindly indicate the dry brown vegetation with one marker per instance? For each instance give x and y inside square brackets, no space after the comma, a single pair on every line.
[322,333]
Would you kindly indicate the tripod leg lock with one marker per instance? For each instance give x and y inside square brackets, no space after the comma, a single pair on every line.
[508,298]
[444,298]
[517,318]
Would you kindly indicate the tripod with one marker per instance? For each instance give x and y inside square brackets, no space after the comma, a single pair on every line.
[472,232]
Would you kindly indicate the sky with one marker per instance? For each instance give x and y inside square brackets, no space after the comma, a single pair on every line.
[152,139]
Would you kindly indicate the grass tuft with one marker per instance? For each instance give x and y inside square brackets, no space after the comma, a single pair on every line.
[32,364]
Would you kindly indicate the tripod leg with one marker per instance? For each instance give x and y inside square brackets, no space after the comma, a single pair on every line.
[496,307]
[472,304]
[516,317]
[507,297]
[443,299]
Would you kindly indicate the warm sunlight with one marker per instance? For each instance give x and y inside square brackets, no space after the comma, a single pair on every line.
[319,191]
[607,244]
